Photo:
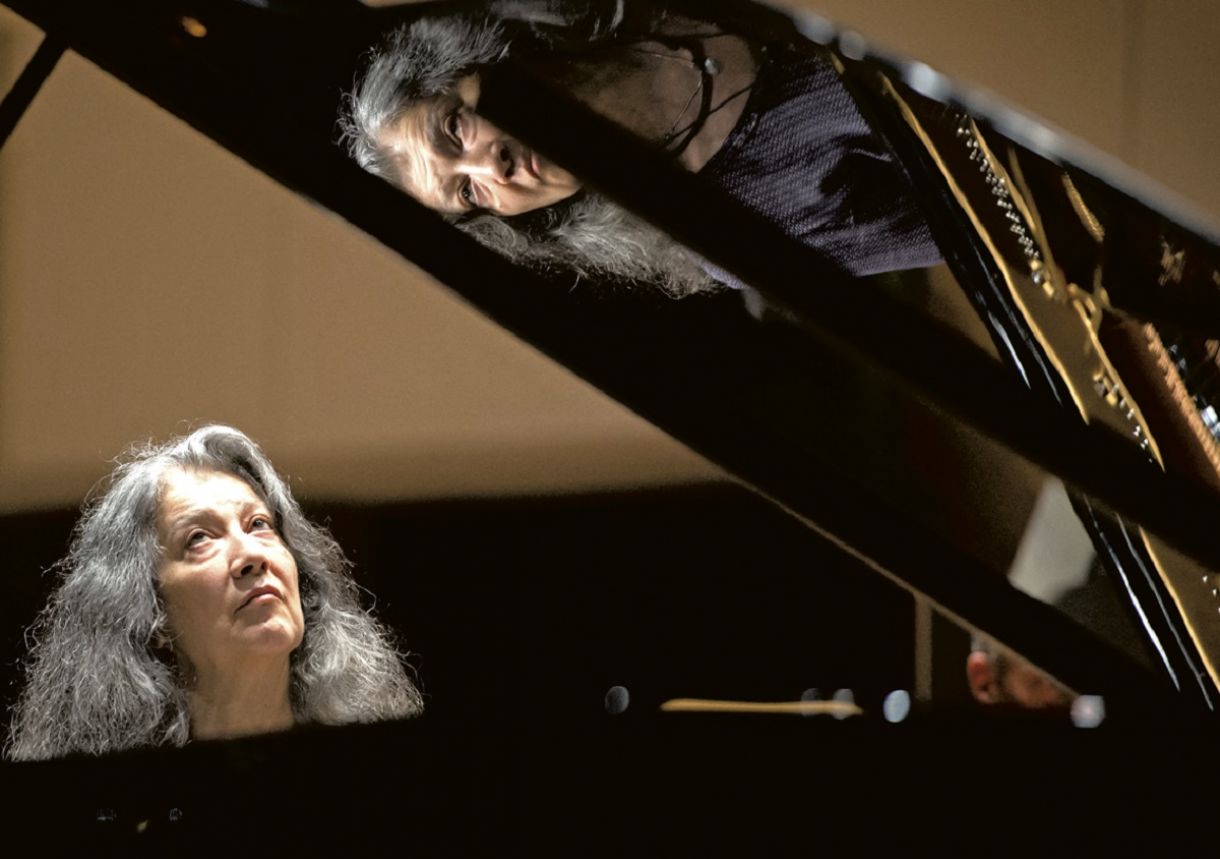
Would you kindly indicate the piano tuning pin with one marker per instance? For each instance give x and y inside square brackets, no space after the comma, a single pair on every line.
[617,700]
[193,27]
[712,66]
[896,706]
[1088,711]
[1104,388]
[812,694]
[845,696]
[1038,275]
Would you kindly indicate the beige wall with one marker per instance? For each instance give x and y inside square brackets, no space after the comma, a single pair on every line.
[149,279]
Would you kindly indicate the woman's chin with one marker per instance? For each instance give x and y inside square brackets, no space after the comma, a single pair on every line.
[270,637]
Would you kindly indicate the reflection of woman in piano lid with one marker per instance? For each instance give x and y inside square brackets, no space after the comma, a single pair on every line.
[772,127]
[198,601]
[998,675]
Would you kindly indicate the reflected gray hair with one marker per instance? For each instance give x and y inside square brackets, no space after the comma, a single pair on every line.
[100,676]
[588,235]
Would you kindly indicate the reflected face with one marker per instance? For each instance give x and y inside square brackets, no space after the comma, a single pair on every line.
[1009,679]
[1024,685]
[228,582]
[454,161]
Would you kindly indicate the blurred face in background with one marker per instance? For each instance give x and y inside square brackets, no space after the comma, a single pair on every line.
[454,161]
[1006,678]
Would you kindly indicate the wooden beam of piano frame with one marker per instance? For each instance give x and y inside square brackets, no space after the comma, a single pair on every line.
[28,83]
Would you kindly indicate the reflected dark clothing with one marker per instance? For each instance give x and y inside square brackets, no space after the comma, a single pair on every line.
[803,157]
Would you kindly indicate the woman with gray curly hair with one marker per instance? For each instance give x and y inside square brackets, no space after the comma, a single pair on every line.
[197,601]
[770,125]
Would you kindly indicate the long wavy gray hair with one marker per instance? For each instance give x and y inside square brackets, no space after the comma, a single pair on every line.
[97,679]
[586,235]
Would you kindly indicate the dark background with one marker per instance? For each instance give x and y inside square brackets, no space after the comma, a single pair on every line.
[536,606]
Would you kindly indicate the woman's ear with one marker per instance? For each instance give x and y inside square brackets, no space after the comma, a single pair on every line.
[980,675]
[162,644]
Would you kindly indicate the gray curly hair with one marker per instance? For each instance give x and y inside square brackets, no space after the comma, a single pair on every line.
[96,679]
[587,235]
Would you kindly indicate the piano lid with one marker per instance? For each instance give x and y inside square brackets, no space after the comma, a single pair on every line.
[1072,276]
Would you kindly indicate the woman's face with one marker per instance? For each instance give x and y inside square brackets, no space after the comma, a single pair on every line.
[228,581]
[454,161]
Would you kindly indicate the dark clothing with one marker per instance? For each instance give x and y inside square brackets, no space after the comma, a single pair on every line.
[803,157]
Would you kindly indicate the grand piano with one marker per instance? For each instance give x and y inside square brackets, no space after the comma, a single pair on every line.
[1100,296]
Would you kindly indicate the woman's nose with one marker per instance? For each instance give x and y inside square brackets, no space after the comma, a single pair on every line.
[493,162]
[249,557]
[251,567]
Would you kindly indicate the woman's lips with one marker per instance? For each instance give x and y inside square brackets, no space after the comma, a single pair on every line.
[531,164]
[259,595]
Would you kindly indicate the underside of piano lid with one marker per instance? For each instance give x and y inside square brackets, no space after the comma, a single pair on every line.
[1102,290]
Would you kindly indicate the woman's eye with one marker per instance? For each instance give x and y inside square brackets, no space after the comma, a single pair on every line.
[195,538]
[466,192]
[260,523]
[453,127]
